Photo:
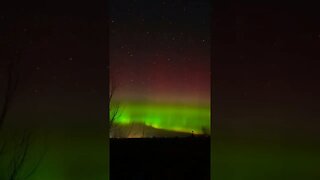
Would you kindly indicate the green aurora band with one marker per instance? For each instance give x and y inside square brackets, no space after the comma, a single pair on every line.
[173,117]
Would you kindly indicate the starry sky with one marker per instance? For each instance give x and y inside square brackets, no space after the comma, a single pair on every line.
[62,89]
[160,62]
[266,90]
[265,73]
[265,67]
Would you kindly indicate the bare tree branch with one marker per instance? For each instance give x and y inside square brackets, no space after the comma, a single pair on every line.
[10,87]
[114,114]
[21,149]
[20,156]
[114,107]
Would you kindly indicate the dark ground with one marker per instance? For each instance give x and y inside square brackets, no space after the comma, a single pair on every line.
[160,158]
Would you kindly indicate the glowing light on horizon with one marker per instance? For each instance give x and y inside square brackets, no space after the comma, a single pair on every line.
[174,117]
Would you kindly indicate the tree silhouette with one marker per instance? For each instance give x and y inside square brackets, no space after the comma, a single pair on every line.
[10,87]
[115,129]
[13,150]
[114,108]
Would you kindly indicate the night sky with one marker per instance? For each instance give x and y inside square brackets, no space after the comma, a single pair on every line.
[160,63]
[264,79]
[265,63]
[61,96]
[265,102]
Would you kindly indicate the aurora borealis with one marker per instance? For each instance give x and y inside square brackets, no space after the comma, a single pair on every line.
[161,66]
[167,116]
